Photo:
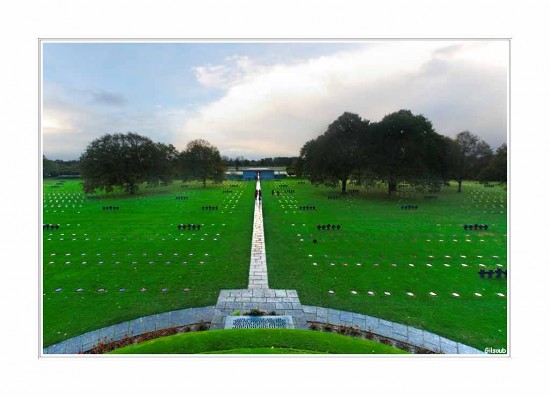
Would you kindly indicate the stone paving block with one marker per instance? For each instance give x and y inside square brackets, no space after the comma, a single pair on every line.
[149,324]
[162,321]
[106,333]
[311,317]
[346,317]
[463,349]
[241,300]
[371,322]
[309,309]
[333,312]
[334,319]
[322,312]
[399,329]
[384,330]
[431,338]
[120,331]
[292,293]
[280,293]
[73,345]
[448,346]
[89,340]
[283,306]
[187,317]
[359,322]
[175,318]
[58,348]
[297,306]
[431,346]
[269,293]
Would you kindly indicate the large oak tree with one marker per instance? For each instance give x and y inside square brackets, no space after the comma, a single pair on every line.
[201,161]
[332,157]
[123,160]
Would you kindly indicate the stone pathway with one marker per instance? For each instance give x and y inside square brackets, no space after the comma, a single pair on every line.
[257,278]
[388,329]
[258,295]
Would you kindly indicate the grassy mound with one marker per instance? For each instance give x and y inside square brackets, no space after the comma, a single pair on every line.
[259,341]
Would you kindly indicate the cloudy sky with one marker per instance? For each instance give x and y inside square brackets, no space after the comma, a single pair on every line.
[264,99]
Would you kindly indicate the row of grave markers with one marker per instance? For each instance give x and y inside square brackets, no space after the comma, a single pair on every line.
[412,294]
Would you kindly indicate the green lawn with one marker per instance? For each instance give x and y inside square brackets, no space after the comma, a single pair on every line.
[96,249]
[380,248]
[259,341]
[383,248]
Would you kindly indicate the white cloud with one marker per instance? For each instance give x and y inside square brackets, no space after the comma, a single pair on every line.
[273,110]
[69,126]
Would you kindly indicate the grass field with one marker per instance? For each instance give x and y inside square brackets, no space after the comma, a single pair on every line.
[401,265]
[139,246]
[259,341]
[385,261]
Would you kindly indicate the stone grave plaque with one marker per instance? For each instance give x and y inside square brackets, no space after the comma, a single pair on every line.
[240,322]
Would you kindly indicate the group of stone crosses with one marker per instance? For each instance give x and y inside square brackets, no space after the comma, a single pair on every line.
[476,227]
[499,273]
[111,208]
[328,227]
[189,226]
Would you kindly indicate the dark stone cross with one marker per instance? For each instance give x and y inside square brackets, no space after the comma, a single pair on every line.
[482,273]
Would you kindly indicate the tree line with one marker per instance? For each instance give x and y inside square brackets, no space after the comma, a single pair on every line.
[402,147]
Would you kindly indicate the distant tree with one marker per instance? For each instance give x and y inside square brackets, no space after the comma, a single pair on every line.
[332,157]
[164,164]
[49,167]
[291,170]
[239,161]
[497,169]
[405,147]
[474,154]
[202,161]
[120,160]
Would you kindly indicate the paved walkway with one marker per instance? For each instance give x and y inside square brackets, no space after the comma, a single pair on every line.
[257,278]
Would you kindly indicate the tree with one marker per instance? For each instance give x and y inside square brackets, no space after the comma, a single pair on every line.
[202,161]
[474,154]
[121,160]
[405,147]
[497,169]
[49,167]
[164,164]
[335,155]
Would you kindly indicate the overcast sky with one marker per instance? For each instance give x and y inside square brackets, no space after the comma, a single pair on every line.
[265,99]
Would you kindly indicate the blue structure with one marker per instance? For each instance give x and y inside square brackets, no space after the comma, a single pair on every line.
[250,174]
